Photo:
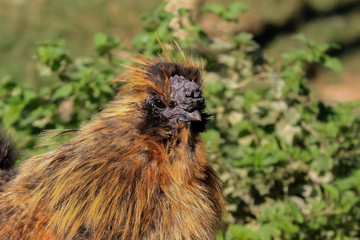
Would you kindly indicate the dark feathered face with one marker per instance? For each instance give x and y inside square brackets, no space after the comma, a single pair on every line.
[183,106]
[185,103]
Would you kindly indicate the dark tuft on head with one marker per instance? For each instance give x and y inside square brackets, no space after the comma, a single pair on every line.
[158,71]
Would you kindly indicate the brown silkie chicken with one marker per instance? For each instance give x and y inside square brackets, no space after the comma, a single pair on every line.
[137,170]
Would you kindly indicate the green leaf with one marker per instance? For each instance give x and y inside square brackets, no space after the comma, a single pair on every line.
[244,39]
[331,191]
[318,206]
[301,37]
[295,211]
[217,9]
[268,232]
[214,88]
[228,13]
[52,54]
[333,64]
[297,55]
[12,114]
[63,92]
[234,10]
[104,43]
[251,98]
[212,138]
[238,232]
[239,7]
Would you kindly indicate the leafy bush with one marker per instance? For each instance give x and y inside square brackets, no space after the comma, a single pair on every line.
[83,88]
[290,166]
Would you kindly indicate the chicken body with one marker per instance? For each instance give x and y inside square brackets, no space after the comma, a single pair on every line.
[137,170]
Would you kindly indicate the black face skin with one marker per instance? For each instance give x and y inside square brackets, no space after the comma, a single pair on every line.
[186,106]
[188,101]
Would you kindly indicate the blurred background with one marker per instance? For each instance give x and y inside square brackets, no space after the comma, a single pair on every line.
[24,24]
[285,133]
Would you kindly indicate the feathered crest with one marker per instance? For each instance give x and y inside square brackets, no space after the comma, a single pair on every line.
[155,72]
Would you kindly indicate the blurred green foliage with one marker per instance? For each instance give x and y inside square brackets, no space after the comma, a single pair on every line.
[82,90]
[289,166]
[227,13]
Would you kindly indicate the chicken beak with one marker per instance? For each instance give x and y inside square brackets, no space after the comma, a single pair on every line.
[193,116]
[181,115]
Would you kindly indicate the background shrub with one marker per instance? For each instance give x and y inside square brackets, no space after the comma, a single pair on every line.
[290,166]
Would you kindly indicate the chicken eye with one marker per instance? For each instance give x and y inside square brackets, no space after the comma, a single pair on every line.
[159,104]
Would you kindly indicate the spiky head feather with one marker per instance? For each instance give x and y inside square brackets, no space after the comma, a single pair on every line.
[154,74]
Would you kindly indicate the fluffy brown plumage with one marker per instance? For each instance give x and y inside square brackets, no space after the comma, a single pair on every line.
[137,170]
